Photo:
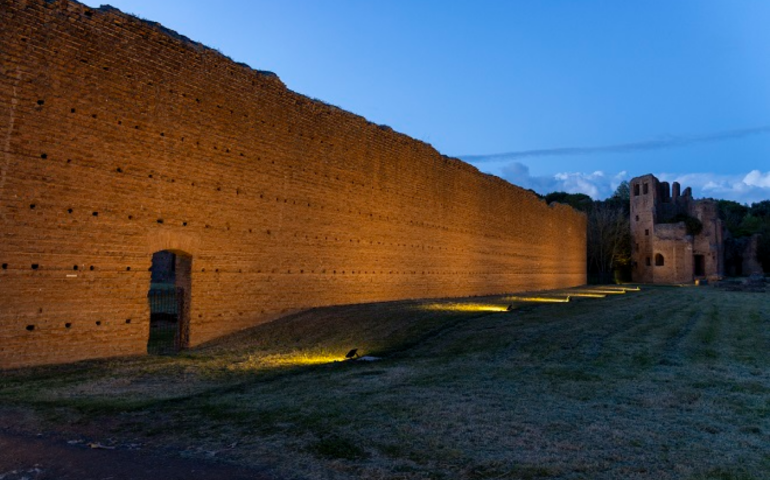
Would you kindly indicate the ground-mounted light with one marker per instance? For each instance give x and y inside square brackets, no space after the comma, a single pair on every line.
[587,295]
[539,299]
[466,307]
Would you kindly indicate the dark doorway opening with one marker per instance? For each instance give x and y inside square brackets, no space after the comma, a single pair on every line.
[169,300]
[699,265]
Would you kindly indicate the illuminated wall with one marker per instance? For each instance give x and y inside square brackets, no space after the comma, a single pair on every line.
[119,138]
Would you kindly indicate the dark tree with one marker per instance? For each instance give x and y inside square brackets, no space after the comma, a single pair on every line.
[608,232]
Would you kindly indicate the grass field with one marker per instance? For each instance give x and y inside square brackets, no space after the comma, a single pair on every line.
[658,383]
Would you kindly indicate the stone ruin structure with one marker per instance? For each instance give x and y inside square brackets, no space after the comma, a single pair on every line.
[677,239]
[120,140]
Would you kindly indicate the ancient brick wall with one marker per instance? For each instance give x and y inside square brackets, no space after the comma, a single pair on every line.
[119,139]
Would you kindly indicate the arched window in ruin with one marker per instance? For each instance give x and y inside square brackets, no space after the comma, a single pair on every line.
[169,300]
[659,260]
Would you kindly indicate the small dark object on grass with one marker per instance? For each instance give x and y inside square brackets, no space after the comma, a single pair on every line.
[352,354]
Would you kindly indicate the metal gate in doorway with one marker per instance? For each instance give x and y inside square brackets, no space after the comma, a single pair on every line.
[166,312]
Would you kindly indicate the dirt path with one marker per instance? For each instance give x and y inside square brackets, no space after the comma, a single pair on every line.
[42,458]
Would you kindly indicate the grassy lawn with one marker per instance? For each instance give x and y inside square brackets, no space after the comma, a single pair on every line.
[658,383]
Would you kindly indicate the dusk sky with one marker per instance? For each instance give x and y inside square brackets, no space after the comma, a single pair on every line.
[550,95]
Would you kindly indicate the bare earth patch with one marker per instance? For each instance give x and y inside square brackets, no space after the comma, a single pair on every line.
[659,383]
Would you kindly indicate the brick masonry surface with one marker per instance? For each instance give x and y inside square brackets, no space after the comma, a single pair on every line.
[119,138]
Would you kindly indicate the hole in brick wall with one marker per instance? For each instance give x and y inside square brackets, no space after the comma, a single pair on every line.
[128,320]
[160,220]
[98,323]
[91,268]
[40,102]
[128,269]
[69,210]
[43,156]
[5,266]
[119,170]
[130,217]
[207,226]
[106,69]
[88,13]
[184,224]
[136,127]
[68,325]
[219,189]
[93,115]
[95,214]
[30,328]
[216,270]
[72,110]
[74,267]
[162,134]
[203,270]
[120,122]
[32,206]
[35,266]
[69,160]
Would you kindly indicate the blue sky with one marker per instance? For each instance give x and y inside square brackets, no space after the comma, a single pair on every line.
[550,95]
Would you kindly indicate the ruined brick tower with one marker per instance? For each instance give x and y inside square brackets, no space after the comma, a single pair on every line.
[675,237]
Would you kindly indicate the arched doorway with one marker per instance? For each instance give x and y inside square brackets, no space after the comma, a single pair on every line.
[169,300]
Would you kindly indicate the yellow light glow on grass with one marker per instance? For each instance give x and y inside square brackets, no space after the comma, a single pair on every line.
[465,307]
[283,360]
[539,299]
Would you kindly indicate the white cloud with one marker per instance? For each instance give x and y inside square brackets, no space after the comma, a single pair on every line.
[743,188]
[597,185]
[749,188]
[755,178]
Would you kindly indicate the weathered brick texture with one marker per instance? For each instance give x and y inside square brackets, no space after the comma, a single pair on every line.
[119,139]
